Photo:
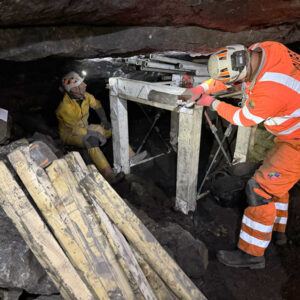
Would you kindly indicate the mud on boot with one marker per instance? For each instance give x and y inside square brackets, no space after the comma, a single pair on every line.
[240,259]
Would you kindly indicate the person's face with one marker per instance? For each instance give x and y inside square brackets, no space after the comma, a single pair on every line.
[79,91]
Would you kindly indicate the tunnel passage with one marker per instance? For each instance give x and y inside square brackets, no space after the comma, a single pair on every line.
[30,91]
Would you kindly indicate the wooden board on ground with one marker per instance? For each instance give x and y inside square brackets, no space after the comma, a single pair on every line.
[43,193]
[88,232]
[39,239]
[135,231]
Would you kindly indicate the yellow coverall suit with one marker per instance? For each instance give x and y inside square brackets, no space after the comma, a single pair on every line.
[73,125]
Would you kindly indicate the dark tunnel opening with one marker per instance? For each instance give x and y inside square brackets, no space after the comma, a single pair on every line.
[30,92]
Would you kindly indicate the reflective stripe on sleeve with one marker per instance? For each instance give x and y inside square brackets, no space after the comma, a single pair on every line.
[236,118]
[252,240]
[280,220]
[283,79]
[250,116]
[281,206]
[206,84]
[257,226]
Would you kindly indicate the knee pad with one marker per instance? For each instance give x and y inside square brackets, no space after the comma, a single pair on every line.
[253,198]
[91,142]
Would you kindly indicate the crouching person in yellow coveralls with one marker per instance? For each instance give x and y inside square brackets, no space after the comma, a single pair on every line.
[73,113]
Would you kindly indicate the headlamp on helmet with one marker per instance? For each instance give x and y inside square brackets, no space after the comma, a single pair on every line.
[229,64]
[71,80]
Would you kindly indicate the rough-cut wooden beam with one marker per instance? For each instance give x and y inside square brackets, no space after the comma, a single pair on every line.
[138,91]
[42,191]
[39,239]
[87,230]
[190,121]
[120,135]
[122,247]
[77,165]
[139,235]
[188,159]
[162,292]
[243,143]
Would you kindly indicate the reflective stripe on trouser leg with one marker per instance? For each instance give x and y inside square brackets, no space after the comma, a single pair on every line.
[257,226]
[98,158]
[281,205]
[279,172]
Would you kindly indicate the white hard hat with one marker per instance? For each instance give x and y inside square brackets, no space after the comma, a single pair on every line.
[71,80]
[229,64]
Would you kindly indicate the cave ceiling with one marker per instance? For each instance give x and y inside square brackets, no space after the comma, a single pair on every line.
[35,29]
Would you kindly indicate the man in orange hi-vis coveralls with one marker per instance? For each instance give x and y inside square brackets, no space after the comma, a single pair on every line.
[270,77]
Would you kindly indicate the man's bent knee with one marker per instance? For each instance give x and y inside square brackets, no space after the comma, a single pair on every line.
[256,195]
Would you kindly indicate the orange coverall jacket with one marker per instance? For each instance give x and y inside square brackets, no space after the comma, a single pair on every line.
[273,98]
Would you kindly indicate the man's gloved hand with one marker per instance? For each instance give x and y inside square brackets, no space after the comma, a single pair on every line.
[205,100]
[106,125]
[92,135]
[191,95]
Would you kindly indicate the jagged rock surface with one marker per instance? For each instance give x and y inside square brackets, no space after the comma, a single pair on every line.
[18,266]
[32,30]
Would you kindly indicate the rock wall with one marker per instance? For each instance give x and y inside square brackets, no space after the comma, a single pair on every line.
[34,29]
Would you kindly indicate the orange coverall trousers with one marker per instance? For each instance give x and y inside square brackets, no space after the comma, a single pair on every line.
[277,175]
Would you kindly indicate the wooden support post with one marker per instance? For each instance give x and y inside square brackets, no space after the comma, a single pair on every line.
[190,121]
[174,128]
[139,235]
[243,143]
[120,137]
[188,159]
[40,240]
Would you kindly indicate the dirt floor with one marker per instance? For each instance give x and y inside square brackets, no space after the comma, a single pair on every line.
[218,228]
[150,190]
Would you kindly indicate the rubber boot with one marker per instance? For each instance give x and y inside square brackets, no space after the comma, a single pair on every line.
[103,166]
[240,259]
[279,238]
[112,177]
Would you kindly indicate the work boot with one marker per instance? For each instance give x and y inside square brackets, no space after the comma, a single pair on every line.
[279,238]
[240,259]
[138,157]
[115,178]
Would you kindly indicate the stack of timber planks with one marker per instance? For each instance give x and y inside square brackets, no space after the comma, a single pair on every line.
[86,237]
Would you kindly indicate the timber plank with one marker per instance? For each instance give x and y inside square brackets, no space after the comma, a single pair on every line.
[40,188]
[80,170]
[39,239]
[88,231]
[134,230]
